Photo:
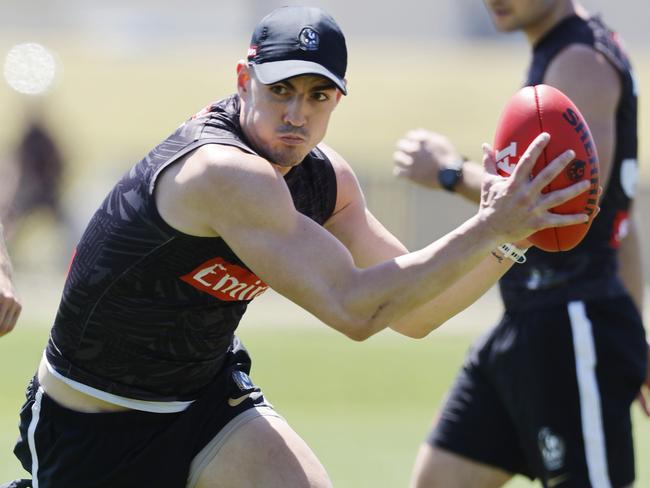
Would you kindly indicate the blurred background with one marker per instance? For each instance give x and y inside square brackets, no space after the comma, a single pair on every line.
[89,87]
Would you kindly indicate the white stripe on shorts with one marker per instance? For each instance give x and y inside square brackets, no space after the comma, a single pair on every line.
[590,409]
[36,414]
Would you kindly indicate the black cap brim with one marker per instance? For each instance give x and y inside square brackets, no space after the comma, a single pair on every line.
[274,71]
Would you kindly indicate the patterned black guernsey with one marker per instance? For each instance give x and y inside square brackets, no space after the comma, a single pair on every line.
[148,312]
[589,270]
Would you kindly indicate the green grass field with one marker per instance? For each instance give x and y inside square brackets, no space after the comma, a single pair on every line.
[363,407]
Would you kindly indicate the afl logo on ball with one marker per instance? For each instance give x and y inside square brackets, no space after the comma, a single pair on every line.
[576,170]
[309,39]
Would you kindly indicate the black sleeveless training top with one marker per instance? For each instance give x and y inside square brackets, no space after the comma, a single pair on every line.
[589,270]
[148,312]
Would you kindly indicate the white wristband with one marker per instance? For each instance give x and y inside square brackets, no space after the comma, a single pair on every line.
[511,251]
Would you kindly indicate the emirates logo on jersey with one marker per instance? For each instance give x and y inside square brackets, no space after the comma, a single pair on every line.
[225,281]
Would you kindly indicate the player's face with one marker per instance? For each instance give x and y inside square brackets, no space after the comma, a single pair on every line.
[512,15]
[286,120]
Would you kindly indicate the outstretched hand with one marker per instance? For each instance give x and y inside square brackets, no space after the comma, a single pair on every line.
[515,207]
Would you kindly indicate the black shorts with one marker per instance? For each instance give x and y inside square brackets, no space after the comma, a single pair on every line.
[63,448]
[547,394]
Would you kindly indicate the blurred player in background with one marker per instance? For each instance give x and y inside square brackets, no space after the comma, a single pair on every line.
[9,304]
[547,392]
[37,174]
[143,381]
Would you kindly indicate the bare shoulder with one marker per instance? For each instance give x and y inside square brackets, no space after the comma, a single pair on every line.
[341,167]
[212,182]
[218,164]
[348,189]
[584,74]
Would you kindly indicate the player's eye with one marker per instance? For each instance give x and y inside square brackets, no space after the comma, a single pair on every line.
[321,96]
[279,89]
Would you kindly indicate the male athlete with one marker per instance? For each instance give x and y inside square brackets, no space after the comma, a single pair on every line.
[547,392]
[143,382]
[9,304]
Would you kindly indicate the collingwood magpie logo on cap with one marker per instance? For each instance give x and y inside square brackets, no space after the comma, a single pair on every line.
[309,39]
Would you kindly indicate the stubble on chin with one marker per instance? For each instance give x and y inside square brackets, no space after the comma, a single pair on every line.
[286,159]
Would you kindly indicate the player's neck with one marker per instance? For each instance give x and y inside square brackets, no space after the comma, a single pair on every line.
[535,31]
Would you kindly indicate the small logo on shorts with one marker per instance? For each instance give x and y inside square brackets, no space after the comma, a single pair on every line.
[552,448]
[243,381]
[247,387]
[235,401]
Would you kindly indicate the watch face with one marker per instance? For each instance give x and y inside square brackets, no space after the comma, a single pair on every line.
[449,178]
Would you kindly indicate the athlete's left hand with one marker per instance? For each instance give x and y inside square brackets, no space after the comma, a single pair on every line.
[421,154]
[644,393]
[10,306]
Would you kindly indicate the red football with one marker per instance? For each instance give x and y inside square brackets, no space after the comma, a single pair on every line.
[542,108]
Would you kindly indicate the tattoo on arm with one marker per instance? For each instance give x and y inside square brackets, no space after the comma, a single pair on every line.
[497,257]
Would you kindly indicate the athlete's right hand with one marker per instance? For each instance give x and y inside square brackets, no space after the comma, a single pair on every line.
[515,207]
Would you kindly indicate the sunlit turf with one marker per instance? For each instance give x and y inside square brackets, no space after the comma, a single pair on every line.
[363,407]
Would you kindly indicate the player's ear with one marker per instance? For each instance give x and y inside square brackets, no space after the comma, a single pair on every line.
[339,93]
[243,76]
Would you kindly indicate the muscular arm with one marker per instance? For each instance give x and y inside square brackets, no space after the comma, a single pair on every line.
[9,305]
[370,243]
[244,199]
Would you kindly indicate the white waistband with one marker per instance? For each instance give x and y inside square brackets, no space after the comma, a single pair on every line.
[143,405]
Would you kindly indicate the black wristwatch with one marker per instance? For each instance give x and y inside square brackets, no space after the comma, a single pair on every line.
[450,176]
